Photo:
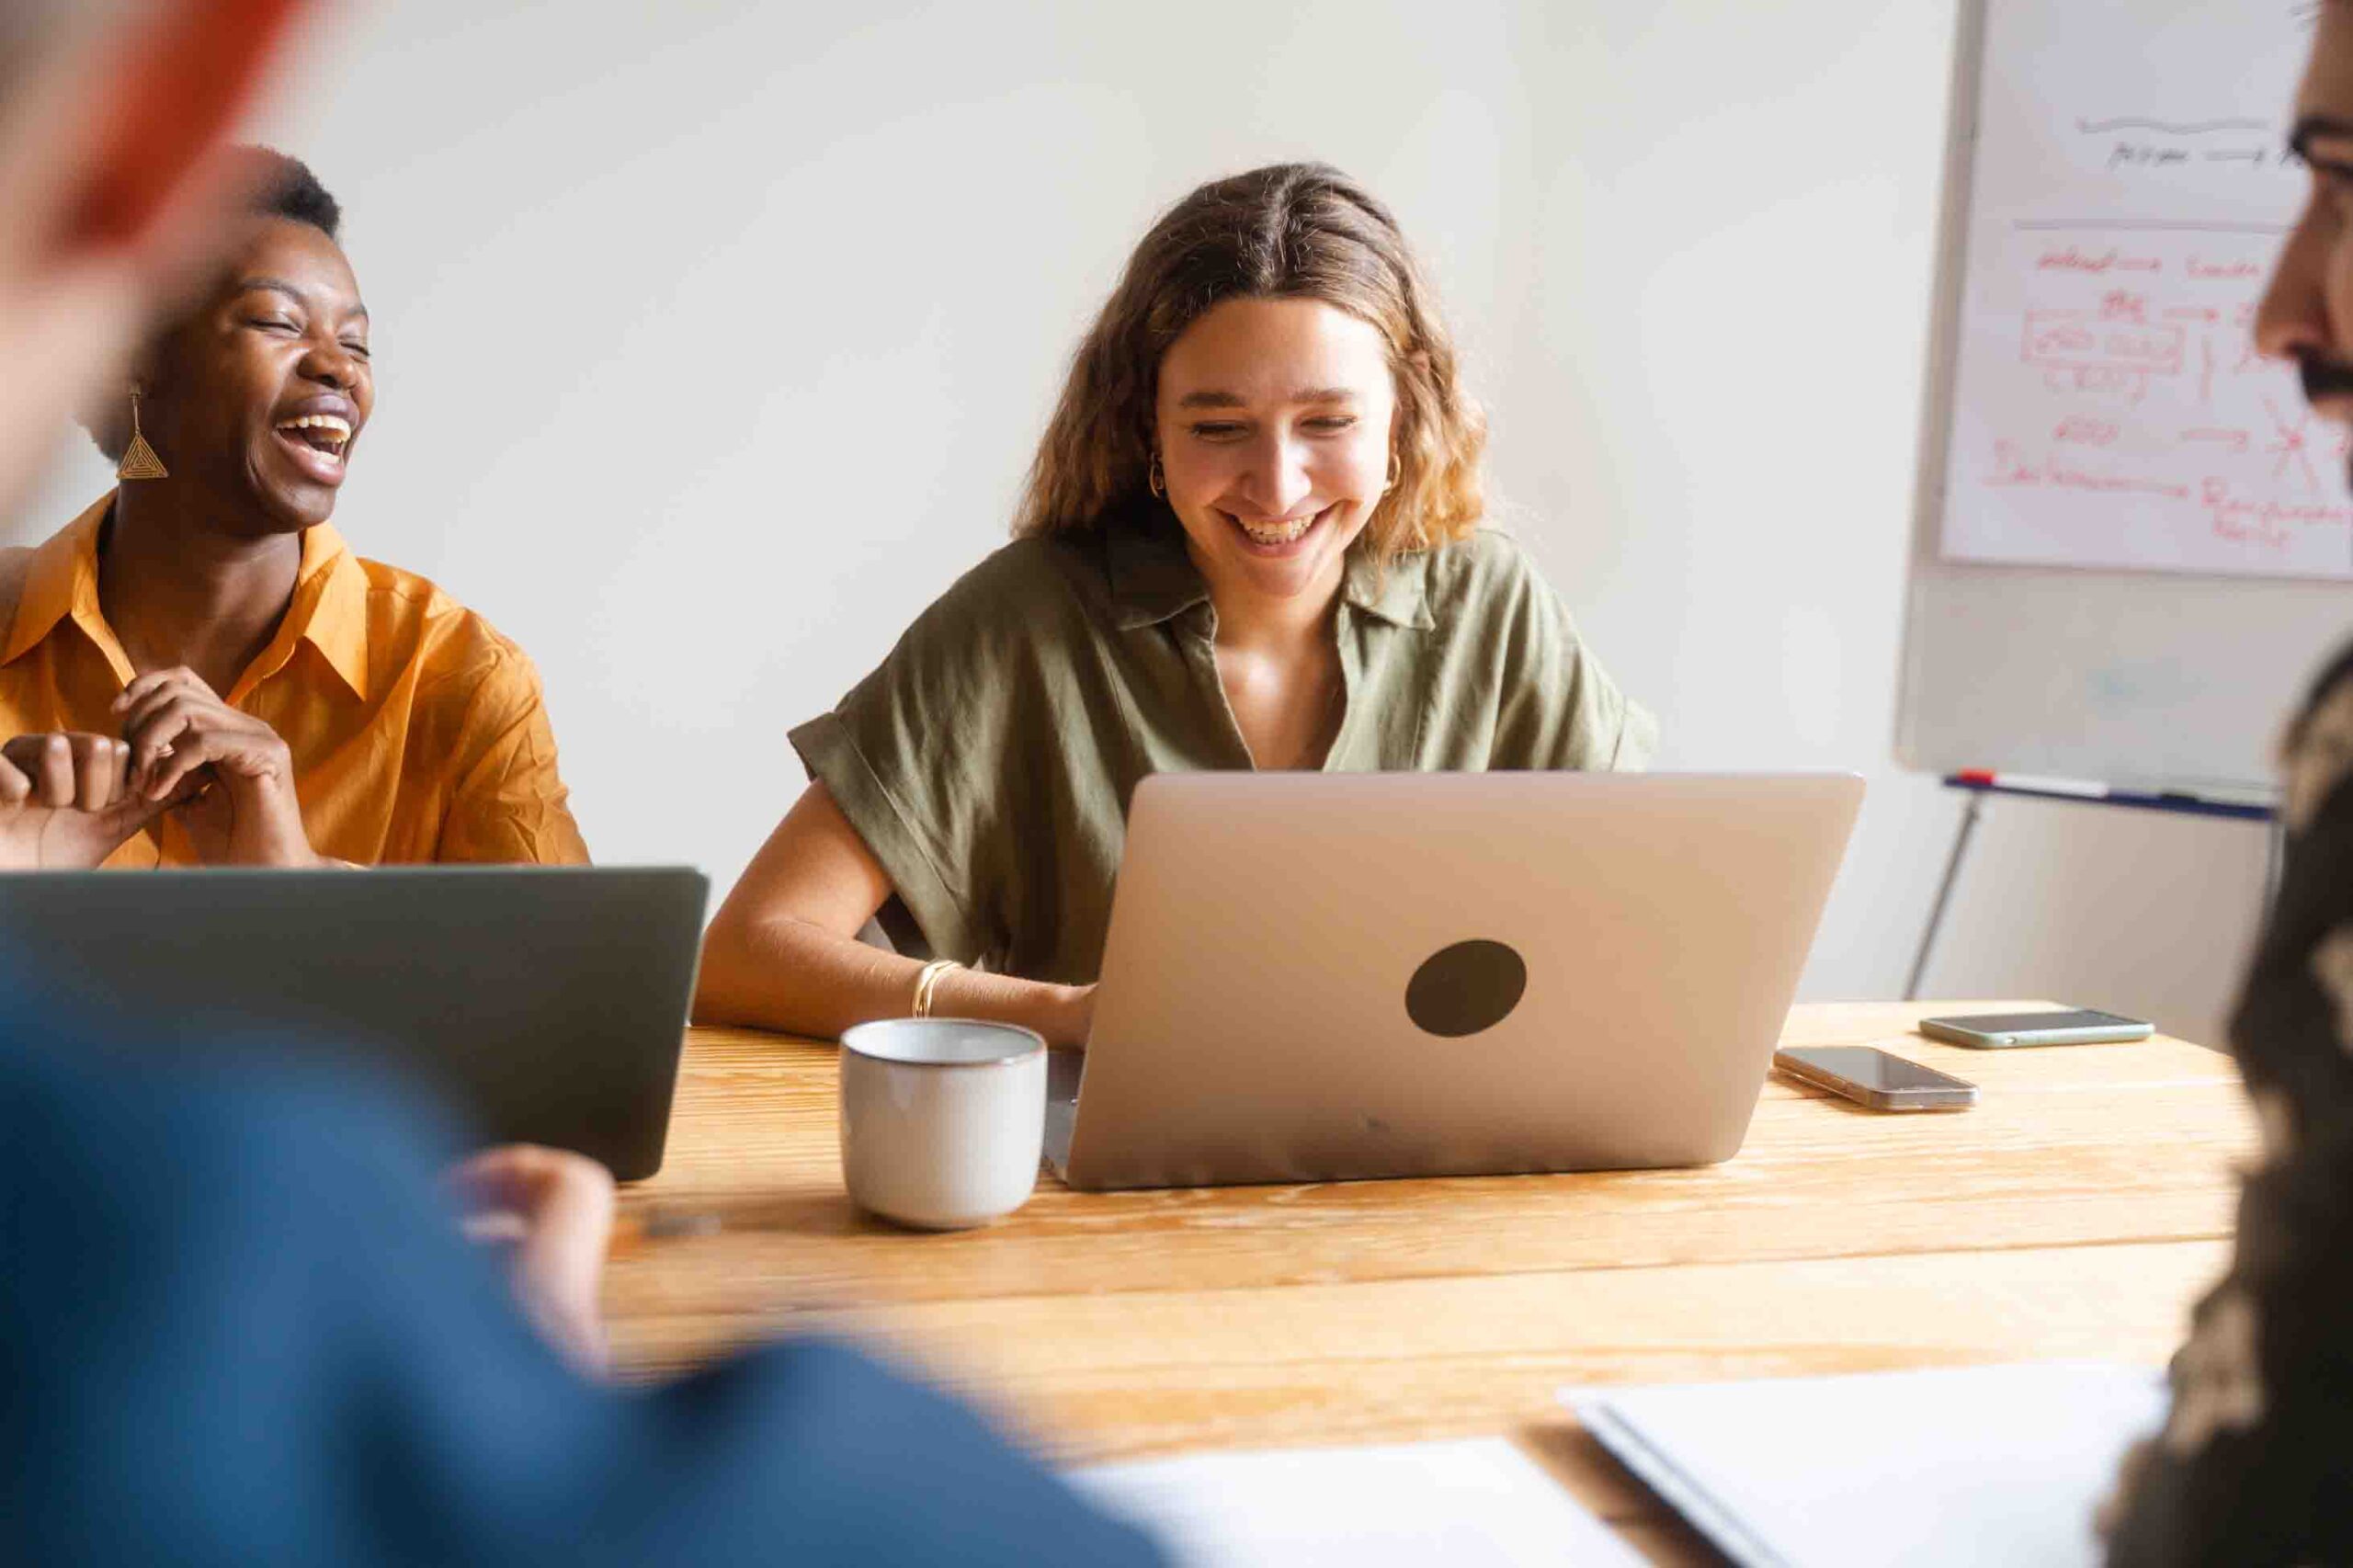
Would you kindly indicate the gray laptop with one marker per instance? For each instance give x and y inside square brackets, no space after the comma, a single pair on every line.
[1314,977]
[547,1004]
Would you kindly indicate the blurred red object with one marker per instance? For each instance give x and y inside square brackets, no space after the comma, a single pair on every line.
[184,82]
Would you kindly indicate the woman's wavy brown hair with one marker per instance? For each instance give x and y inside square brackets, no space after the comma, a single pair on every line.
[1290,230]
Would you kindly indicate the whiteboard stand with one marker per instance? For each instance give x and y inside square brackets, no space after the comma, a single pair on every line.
[1979,786]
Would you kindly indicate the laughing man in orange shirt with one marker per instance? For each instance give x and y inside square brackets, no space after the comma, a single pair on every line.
[197,671]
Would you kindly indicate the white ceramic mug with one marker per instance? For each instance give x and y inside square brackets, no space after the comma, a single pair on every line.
[943,1119]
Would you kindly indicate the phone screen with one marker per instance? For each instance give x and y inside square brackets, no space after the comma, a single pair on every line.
[2020,1023]
[1873,1069]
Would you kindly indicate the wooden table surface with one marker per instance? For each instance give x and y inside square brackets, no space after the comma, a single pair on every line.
[2077,1212]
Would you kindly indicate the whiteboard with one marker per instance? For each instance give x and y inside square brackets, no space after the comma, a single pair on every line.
[2132,541]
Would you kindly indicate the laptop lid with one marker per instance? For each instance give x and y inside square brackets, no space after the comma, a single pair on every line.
[547,1004]
[1317,977]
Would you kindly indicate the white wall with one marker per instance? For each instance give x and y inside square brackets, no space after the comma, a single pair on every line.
[713,338]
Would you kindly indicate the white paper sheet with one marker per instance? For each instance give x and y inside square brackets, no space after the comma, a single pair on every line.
[1465,1505]
[1962,1466]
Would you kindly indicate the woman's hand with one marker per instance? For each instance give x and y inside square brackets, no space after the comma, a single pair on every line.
[553,1210]
[66,801]
[249,815]
[1068,1016]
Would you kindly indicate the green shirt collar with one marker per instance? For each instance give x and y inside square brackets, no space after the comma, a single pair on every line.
[1153,579]
[1399,596]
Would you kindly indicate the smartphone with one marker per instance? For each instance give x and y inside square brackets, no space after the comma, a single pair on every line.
[2077,1026]
[1869,1075]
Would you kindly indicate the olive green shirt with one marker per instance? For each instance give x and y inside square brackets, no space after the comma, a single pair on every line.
[988,763]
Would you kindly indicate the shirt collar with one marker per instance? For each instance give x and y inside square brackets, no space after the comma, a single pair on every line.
[1154,578]
[1398,593]
[62,583]
[1153,575]
[329,610]
[330,607]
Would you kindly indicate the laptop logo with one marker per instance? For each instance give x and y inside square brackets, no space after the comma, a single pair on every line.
[1466,988]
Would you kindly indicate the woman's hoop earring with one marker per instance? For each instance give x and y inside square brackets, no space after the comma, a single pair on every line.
[1396,471]
[1155,481]
[139,458]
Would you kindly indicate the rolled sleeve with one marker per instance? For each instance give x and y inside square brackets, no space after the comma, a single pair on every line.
[933,753]
[892,828]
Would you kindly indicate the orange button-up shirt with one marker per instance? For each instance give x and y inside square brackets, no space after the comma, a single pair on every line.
[418,731]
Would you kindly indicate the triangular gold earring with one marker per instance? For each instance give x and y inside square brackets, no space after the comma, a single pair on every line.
[139,458]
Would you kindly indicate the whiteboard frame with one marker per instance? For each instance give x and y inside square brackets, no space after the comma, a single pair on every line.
[1983,614]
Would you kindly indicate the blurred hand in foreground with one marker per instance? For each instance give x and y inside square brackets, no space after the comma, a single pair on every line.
[552,1210]
[110,195]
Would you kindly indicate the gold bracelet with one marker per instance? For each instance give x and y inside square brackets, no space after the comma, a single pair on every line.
[926,982]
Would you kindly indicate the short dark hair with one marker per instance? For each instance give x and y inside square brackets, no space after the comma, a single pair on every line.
[277,186]
[284,186]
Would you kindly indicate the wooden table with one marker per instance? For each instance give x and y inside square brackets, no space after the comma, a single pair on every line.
[2077,1211]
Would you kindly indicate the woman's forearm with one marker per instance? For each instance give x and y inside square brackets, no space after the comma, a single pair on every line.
[782,974]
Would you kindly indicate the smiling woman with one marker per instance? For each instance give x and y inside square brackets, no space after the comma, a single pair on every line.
[1253,539]
[197,671]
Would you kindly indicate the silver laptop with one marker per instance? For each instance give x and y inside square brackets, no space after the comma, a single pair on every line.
[545,1005]
[1317,977]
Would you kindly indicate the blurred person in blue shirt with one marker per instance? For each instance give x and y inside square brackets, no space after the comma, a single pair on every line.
[239,1327]
[237,1321]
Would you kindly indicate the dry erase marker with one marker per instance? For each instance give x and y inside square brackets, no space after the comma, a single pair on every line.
[2033,783]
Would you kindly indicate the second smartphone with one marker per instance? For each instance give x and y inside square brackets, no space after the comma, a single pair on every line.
[2080,1026]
